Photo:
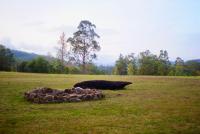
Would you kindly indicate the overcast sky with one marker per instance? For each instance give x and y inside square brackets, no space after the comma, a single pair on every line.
[125,26]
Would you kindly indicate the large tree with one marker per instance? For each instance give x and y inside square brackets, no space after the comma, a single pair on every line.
[147,63]
[84,44]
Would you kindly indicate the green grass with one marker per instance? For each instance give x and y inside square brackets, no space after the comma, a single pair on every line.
[151,105]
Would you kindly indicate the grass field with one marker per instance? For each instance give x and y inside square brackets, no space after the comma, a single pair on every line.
[151,105]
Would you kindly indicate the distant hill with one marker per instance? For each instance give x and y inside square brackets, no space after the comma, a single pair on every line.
[24,56]
[195,60]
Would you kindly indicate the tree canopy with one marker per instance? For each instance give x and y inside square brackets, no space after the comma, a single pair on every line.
[84,44]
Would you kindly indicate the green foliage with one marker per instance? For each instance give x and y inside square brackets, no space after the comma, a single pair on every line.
[115,71]
[23,67]
[74,70]
[121,66]
[179,67]
[6,59]
[192,68]
[39,65]
[172,70]
[130,69]
[147,63]
[93,69]
[56,66]
[84,44]
[163,63]
[150,64]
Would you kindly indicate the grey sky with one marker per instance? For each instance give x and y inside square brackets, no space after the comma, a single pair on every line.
[125,26]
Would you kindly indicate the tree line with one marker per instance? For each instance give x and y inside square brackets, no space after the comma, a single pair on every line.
[147,63]
[75,55]
[8,62]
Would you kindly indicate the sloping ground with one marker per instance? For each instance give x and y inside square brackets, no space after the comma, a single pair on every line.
[24,56]
[150,105]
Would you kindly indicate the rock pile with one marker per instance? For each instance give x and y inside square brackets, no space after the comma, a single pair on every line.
[48,95]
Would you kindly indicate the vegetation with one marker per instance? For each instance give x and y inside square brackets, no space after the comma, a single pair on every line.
[151,64]
[6,59]
[41,65]
[151,105]
[144,64]
[62,51]
[84,44]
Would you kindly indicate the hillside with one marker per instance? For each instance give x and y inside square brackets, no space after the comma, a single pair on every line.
[195,60]
[25,56]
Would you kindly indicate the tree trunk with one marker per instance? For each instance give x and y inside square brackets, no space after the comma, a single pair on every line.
[83,64]
[84,56]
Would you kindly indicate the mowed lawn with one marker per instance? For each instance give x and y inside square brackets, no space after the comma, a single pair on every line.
[151,105]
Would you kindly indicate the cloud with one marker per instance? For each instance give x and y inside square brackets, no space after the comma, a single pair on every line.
[34,23]
[107,31]
[7,42]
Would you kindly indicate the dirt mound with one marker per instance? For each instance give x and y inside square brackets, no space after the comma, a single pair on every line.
[48,95]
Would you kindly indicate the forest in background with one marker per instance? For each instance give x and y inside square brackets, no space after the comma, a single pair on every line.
[144,63]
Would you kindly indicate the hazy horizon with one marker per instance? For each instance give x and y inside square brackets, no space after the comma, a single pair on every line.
[124,26]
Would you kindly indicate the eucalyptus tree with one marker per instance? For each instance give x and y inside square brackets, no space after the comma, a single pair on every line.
[83,43]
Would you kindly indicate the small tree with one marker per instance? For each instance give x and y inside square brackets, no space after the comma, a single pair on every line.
[131,64]
[121,66]
[163,63]
[130,69]
[84,44]
[179,67]
[62,50]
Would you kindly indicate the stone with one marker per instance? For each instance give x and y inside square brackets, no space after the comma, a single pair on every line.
[48,95]
[74,100]
[102,84]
